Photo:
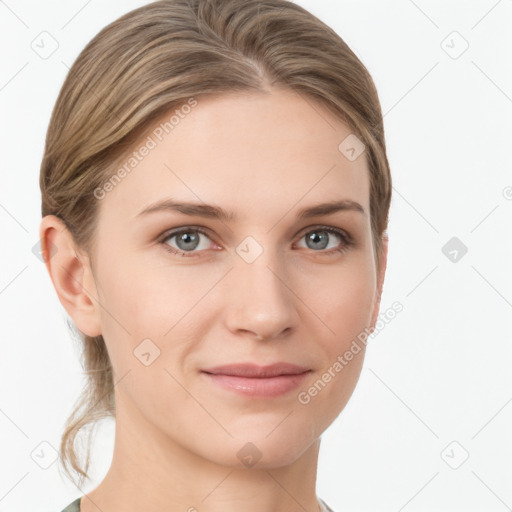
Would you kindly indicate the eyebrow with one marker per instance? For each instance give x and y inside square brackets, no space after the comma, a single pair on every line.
[215,212]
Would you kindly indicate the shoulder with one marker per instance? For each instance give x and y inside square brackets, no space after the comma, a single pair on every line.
[327,508]
[74,506]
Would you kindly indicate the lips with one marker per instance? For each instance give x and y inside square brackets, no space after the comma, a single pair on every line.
[255,381]
[250,370]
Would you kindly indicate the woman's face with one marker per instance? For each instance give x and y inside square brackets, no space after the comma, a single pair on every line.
[259,283]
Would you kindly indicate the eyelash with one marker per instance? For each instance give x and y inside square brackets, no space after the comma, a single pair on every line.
[346,243]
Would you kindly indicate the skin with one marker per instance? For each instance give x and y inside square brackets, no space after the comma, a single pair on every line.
[263,156]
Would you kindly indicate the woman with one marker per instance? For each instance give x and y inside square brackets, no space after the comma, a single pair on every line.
[198,153]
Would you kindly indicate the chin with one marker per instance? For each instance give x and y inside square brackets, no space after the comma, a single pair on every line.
[256,449]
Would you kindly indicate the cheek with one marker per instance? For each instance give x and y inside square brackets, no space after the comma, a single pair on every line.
[128,300]
[345,309]
[164,291]
[329,393]
[346,303]
[150,314]
[141,297]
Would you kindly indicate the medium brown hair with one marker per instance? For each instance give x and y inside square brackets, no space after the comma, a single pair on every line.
[154,59]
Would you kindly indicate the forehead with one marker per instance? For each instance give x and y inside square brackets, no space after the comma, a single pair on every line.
[245,150]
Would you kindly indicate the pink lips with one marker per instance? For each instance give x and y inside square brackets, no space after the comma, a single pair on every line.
[253,380]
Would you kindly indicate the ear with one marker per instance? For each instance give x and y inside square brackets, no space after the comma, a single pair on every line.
[71,275]
[383,260]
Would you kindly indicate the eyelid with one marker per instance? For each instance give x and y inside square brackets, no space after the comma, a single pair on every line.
[347,239]
[209,232]
[329,228]
[171,233]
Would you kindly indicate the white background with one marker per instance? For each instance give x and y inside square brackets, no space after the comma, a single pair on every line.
[439,372]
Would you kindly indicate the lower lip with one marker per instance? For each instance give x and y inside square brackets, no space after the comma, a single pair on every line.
[258,387]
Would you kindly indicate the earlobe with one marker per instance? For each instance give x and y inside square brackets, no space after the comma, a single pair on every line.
[71,275]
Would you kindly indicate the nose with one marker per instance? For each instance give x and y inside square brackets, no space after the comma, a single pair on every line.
[261,302]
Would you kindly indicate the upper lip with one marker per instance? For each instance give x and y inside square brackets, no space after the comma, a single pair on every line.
[255,371]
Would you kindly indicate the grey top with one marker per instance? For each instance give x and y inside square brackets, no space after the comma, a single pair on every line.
[75,506]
